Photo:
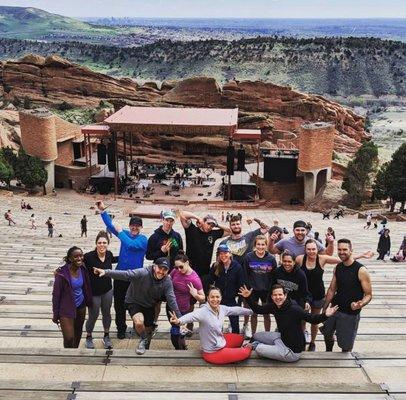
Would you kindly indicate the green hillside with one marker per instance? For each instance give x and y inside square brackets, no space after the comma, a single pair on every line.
[33,23]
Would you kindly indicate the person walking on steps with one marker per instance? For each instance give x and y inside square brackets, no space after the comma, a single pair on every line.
[217,348]
[70,296]
[351,290]
[9,218]
[33,221]
[188,290]
[384,245]
[286,344]
[102,289]
[147,287]
[51,226]
[132,251]
[83,226]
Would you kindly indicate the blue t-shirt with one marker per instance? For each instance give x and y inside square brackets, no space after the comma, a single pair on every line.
[77,286]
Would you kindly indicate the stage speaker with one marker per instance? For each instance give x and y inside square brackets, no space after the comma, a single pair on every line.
[101,154]
[111,153]
[230,160]
[280,169]
[241,160]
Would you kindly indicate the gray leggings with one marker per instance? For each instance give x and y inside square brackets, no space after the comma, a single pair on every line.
[271,346]
[104,302]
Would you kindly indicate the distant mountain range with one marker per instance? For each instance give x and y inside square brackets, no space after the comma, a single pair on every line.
[336,66]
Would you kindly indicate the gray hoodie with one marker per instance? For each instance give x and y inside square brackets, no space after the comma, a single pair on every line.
[145,290]
[211,324]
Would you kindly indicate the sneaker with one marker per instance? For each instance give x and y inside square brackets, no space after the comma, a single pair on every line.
[246,331]
[142,346]
[107,342]
[121,335]
[154,330]
[227,329]
[312,347]
[89,342]
[307,336]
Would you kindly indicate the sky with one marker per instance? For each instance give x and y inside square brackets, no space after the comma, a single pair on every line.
[220,8]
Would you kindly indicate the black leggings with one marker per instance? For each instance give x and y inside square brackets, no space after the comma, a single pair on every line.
[72,329]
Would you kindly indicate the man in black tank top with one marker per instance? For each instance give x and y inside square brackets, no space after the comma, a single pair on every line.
[351,290]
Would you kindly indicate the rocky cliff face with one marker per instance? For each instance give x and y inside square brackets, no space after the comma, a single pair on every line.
[53,80]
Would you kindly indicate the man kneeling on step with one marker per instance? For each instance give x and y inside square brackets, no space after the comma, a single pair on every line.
[147,288]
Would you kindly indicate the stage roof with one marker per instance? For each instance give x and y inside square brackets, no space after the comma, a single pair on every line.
[174,116]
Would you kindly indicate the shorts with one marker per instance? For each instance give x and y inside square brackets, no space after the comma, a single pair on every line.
[368,223]
[345,327]
[317,303]
[259,295]
[148,313]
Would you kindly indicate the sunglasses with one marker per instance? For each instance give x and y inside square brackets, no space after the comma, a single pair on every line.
[180,266]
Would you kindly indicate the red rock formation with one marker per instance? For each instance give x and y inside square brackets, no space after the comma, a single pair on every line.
[53,80]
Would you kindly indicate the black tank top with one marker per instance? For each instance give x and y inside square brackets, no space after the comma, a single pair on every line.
[314,279]
[349,287]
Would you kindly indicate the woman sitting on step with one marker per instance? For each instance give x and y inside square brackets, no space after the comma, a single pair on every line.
[217,348]
[71,294]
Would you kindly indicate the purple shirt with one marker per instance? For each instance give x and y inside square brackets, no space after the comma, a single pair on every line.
[181,290]
[77,287]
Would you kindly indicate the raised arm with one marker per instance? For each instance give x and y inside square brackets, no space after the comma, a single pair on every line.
[109,223]
[186,218]
[273,247]
[329,250]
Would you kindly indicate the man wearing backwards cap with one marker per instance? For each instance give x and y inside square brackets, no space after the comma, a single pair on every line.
[165,242]
[132,252]
[200,239]
[147,286]
[296,243]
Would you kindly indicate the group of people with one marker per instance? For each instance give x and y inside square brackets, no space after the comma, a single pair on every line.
[257,272]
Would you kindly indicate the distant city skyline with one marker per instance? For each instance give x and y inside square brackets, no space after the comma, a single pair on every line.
[221,8]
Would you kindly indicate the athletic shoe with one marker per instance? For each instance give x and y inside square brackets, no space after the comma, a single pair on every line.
[246,331]
[227,329]
[142,346]
[154,330]
[308,338]
[312,347]
[148,341]
[120,335]
[107,342]
[89,342]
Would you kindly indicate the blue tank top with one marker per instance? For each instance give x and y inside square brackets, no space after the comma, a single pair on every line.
[77,287]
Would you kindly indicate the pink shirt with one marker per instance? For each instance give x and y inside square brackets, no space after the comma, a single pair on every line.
[182,294]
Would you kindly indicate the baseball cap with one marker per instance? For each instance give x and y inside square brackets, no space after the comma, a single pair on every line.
[223,248]
[168,215]
[299,224]
[210,219]
[162,262]
[135,221]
